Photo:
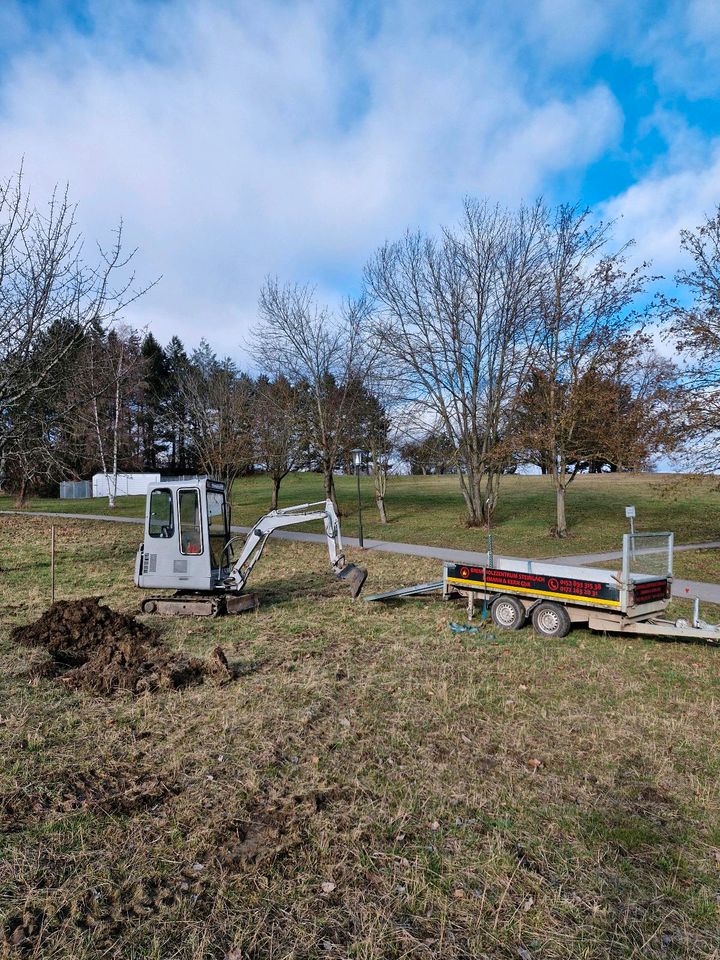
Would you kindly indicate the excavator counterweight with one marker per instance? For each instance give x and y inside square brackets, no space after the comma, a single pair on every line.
[188,548]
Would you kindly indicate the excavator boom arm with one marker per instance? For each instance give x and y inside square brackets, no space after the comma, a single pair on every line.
[287,517]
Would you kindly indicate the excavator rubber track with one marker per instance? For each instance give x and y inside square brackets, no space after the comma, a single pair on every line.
[199,604]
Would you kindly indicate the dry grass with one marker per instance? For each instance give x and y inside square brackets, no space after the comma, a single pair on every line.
[371,787]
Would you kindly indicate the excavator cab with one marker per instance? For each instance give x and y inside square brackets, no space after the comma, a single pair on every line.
[187,531]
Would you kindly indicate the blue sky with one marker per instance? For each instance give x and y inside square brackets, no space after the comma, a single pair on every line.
[244,139]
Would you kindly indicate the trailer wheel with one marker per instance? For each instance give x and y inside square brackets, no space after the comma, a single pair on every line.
[508,613]
[551,620]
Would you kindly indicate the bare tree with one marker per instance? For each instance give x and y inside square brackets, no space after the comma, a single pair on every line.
[379,431]
[30,456]
[46,284]
[586,312]
[325,354]
[111,367]
[217,401]
[277,410]
[380,451]
[694,328]
[456,321]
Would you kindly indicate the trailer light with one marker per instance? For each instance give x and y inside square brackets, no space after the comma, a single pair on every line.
[631,598]
[668,589]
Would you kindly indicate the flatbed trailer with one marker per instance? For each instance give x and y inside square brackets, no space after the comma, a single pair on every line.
[556,596]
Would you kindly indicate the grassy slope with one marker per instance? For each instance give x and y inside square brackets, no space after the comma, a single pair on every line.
[375,752]
[430,510]
[703,565]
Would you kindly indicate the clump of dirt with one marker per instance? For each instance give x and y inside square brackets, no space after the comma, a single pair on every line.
[275,823]
[97,649]
[105,791]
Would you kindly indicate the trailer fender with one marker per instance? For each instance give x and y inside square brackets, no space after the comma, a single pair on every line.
[529,610]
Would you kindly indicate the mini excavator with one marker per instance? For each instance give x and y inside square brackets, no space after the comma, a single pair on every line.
[188,547]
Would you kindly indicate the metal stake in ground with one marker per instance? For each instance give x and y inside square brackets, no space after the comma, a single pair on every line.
[52,563]
[357,461]
[488,563]
[630,514]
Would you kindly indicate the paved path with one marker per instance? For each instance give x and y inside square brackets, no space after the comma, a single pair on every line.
[586,559]
[707,592]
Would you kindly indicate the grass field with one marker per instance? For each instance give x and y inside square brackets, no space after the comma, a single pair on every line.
[408,793]
[430,510]
[703,565]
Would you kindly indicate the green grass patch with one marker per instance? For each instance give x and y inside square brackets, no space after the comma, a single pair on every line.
[431,510]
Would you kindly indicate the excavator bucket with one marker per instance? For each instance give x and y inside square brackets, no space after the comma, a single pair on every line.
[354,577]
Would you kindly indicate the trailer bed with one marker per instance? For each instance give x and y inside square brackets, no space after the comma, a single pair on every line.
[583,586]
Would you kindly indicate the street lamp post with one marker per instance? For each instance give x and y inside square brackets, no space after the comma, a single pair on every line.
[358,456]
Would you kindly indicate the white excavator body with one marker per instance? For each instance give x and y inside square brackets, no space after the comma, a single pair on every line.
[188,547]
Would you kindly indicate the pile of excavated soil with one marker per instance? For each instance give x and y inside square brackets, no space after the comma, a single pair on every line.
[94,648]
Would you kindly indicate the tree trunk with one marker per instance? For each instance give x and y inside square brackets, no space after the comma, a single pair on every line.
[275,493]
[560,521]
[470,486]
[380,473]
[22,494]
[329,484]
[492,492]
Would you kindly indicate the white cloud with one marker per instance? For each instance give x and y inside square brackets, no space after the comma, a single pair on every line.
[570,30]
[680,43]
[655,210]
[229,138]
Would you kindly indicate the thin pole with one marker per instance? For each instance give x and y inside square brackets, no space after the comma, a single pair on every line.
[357,474]
[52,564]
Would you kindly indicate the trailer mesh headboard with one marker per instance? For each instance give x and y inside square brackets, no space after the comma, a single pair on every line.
[649,554]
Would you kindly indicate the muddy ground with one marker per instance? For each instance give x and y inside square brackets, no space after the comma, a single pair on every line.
[90,647]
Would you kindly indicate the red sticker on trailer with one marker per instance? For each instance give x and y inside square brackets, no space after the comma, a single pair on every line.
[524,582]
[650,592]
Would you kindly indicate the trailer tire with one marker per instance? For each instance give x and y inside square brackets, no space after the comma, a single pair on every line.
[508,613]
[551,620]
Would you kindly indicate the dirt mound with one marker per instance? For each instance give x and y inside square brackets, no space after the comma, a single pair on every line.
[94,648]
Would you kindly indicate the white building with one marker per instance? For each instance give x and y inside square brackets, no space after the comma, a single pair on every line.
[128,484]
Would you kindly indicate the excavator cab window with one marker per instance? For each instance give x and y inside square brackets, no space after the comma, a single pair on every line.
[160,522]
[217,528]
[190,528]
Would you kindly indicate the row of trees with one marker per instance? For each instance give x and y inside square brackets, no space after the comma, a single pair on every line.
[510,339]
[513,338]
[126,403]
